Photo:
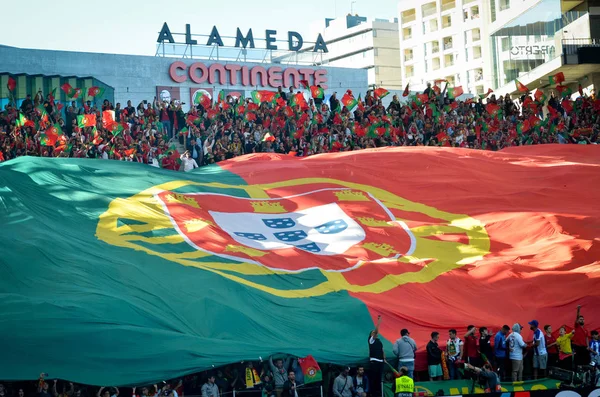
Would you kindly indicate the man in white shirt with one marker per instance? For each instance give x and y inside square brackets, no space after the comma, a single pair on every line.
[454,350]
[187,162]
[540,354]
[516,345]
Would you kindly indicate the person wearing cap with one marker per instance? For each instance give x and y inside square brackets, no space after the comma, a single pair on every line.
[210,389]
[516,345]
[540,354]
[405,349]
[343,384]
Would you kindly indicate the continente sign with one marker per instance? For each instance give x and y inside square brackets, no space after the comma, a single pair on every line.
[295,40]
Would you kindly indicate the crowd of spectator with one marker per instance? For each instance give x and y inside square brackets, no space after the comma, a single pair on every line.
[289,124]
[490,357]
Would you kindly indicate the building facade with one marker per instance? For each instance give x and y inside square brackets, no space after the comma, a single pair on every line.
[139,78]
[444,39]
[531,40]
[358,42]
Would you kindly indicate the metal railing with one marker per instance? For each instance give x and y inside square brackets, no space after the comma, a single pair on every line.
[570,46]
[304,391]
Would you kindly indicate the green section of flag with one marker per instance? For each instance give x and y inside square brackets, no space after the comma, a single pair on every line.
[121,304]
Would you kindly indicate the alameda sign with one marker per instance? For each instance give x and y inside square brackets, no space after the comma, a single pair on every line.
[295,40]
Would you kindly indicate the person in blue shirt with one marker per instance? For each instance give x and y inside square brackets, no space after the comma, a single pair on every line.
[500,350]
[595,349]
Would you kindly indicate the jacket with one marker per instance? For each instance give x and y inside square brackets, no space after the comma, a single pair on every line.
[405,348]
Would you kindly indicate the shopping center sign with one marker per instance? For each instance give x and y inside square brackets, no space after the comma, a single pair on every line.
[234,74]
[294,39]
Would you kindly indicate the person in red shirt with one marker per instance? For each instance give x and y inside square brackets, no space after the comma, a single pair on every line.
[471,353]
[580,340]
[551,346]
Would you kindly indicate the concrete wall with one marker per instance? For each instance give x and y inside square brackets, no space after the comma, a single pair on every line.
[135,78]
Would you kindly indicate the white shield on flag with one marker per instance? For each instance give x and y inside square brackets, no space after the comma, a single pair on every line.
[321,230]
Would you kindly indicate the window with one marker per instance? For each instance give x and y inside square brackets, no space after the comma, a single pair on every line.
[505,43]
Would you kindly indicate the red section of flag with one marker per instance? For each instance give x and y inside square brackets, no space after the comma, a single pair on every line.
[538,231]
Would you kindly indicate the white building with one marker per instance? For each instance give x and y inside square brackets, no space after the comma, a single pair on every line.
[444,39]
[358,42]
[533,39]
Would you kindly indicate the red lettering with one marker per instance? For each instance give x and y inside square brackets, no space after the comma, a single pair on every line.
[253,76]
[173,72]
[275,76]
[194,76]
[212,70]
[321,78]
[286,77]
[232,69]
[306,73]
[245,76]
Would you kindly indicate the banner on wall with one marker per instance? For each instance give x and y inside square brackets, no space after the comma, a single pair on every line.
[168,94]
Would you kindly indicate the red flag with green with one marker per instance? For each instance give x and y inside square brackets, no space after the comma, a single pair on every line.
[557,78]
[95,91]
[348,100]
[68,89]
[12,84]
[317,92]
[381,93]
[521,87]
[203,99]
[455,92]
[86,120]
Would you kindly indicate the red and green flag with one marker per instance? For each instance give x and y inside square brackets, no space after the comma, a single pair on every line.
[380,93]
[539,96]
[521,87]
[406,90]
[51,135]
[298,100]
[483,96]
[304,84]
[86,120]
[77,93]
[202,98]
[557,78]
[221,96]
[68,89]
[492,109]
[260,96]
[249,116]
[348,100]
[268,137]
[564,91]
[12,84]
[21,120]
[95,91]
[317,92]
[455,92]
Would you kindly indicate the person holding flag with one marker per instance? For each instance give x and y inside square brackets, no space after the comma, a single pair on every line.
[376,358]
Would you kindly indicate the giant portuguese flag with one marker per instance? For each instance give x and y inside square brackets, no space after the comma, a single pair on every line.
[120,273]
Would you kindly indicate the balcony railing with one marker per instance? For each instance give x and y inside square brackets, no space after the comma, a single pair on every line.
[429,11]
[408,18]
[448,6]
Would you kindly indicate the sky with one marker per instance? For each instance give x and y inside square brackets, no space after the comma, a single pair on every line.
[124,27]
